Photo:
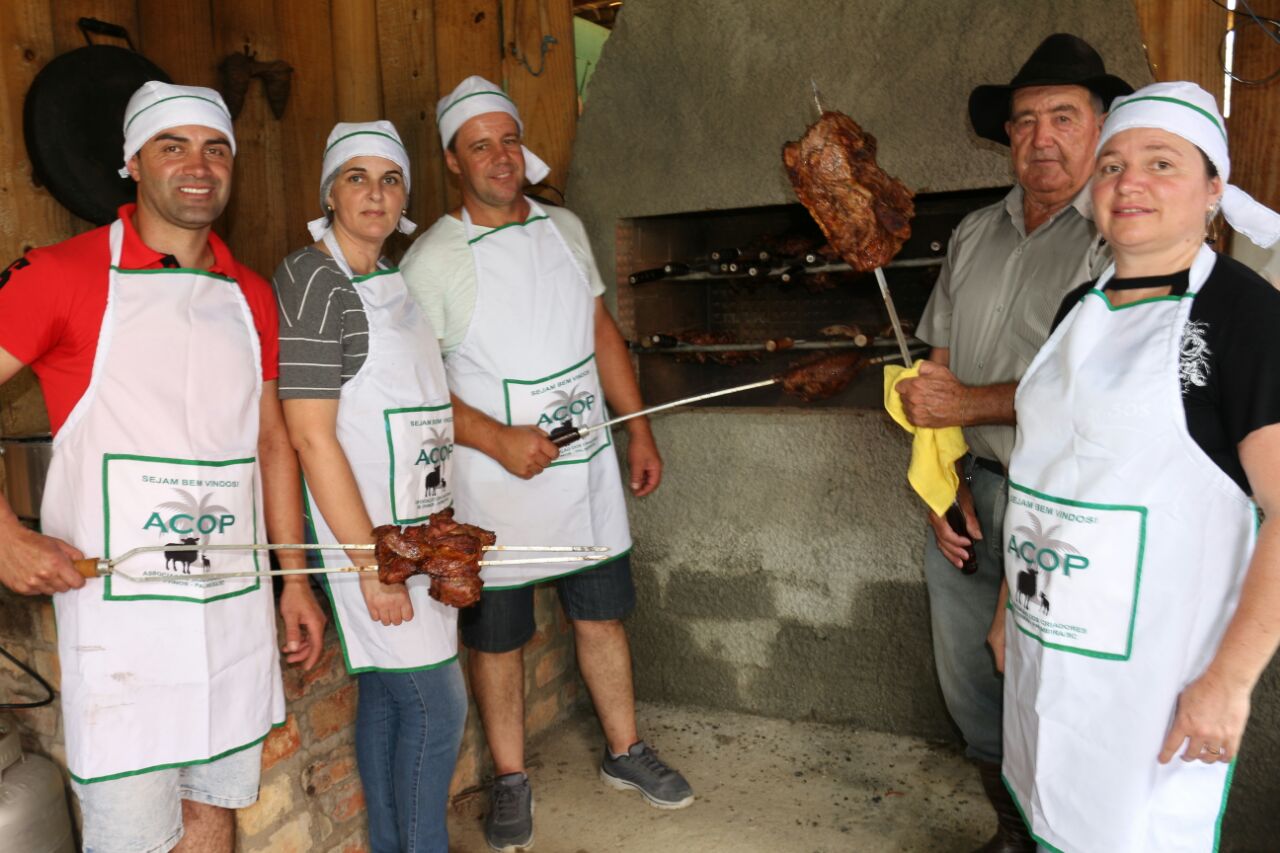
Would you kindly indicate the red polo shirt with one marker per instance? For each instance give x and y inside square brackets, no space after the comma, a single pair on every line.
[52,301]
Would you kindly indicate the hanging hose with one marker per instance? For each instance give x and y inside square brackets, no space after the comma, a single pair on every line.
[14,706]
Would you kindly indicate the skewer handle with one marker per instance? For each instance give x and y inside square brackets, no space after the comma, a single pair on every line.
[89,567]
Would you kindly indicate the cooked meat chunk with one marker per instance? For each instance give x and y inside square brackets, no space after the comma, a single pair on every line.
[865,213]
[445,550]
[820,378]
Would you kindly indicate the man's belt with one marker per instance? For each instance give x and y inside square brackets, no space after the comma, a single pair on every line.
[988,464]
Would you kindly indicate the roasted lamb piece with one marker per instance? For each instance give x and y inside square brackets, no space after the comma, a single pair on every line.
[865,213]
[818,379]
[703,337]
[447,551]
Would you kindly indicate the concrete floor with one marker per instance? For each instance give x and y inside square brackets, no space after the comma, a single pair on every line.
[762,786]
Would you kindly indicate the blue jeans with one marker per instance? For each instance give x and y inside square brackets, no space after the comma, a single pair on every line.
[408,730]
[961,608]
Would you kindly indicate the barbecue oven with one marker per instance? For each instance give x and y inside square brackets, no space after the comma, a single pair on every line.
[722,298]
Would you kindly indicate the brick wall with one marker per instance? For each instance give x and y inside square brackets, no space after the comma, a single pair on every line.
[310,799]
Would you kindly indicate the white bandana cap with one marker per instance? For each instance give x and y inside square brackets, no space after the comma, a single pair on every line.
[1186,110]
[477,96]
[157,107]
[360,139]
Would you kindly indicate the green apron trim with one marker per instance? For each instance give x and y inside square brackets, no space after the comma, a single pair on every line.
[391,455]
[192,763]
[506,396]
[174,271]
[374,274]
[474,240]
[1045,844]
[1137,580]
[1222,809]
[586,568]
[107,458]
[314,560]
[1110,307]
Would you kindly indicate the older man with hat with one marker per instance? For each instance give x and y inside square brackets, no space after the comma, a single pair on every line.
[513,291]
[156,352]
[1008,266]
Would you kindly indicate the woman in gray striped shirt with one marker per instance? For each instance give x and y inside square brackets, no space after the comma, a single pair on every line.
[368,410]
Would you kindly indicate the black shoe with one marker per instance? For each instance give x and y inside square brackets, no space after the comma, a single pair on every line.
[1012,835]
[509,824]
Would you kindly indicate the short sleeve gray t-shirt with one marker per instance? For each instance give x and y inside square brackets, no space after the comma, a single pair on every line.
[998,292]
[324,334]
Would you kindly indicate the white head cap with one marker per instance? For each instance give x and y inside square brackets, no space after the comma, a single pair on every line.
[477,96]
[360,139]
[1186,110]
[157,107]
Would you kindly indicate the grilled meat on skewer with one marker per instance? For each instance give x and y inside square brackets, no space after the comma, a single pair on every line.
[865,213]
[820,378]
[445,550]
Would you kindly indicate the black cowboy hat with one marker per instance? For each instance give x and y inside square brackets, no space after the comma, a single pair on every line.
[1060,60]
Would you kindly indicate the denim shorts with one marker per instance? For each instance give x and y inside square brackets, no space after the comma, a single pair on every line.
[143,813]
[503,620]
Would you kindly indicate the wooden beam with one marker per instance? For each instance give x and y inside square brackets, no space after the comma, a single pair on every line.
[466,43]
[1254,123]
[179,38]
[548,102]
[255,218]
[407,47]
[357,81]
[305,42]
[1182,38]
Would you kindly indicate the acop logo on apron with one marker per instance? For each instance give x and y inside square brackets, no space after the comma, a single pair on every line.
[568,398]
[420,441]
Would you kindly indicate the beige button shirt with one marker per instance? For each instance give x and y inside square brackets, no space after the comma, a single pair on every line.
[998,292]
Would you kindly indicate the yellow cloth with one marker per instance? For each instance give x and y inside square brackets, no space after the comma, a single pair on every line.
[934,452]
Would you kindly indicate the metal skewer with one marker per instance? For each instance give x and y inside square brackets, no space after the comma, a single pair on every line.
[564,435]
[893,317]
[111,570]
[91,567]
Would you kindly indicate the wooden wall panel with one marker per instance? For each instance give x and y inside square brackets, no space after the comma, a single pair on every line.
[1254,124]
[550,118]
[178,36]
[66,13]
[1182,39]
[407,49]
[255,216]
[467,42]
[356,76]
[305,43]
[29,216]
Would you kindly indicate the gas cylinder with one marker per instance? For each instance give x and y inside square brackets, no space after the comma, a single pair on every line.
[33,804]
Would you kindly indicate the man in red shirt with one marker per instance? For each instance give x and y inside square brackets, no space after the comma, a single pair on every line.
[157,355]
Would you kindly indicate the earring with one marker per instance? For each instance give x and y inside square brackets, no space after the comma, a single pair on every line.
[329,208]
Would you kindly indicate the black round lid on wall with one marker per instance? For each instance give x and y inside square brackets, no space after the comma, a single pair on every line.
[72,123]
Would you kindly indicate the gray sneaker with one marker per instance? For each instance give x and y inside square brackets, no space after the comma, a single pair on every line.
[509,824]
[642,770]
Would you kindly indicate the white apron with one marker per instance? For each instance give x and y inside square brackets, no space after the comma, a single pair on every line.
[395,425]
[529,358]
[162,449]
[1125,549]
